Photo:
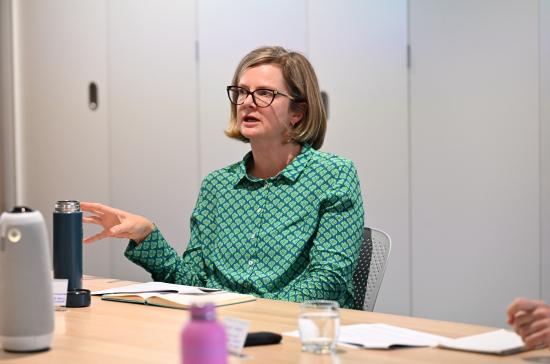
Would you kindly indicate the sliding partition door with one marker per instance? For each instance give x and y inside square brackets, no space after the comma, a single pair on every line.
[62,146]
[153,118]
[475,157]
[360,54]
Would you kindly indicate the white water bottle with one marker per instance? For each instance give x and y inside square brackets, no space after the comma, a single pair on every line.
[26,298]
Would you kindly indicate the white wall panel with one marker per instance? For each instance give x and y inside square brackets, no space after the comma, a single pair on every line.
[63,150]
[226,34]
[475,157]
[359,52]
[153,118]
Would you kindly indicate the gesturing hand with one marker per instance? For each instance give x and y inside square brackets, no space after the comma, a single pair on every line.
[116,223]
[531,320]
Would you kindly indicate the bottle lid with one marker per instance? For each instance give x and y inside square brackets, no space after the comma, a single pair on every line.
[67,206]
[204,311]
[78,297]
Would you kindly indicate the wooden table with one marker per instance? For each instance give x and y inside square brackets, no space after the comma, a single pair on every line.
[114,332]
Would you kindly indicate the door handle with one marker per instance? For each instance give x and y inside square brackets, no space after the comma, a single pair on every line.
[93,96]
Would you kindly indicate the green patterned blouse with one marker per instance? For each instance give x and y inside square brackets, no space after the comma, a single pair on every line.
[294,237]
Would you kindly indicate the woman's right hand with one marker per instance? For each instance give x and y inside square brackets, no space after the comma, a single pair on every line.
[116,223]
[531,320]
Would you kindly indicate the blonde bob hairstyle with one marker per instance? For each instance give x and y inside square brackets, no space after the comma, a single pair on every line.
[302,84]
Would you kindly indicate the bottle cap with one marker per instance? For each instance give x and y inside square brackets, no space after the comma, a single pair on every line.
[204,311]
[67,206]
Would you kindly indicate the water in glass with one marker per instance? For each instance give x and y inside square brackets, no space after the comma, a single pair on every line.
[319,326]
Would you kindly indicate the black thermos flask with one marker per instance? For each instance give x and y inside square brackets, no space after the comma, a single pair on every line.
[67,250]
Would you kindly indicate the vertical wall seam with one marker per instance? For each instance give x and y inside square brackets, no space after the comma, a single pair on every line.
[7,160]
[409,147]
[17,127]
[540,169]
[307,26]
[108,117]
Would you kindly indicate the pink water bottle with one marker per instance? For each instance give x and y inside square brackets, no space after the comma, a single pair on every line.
[203,339]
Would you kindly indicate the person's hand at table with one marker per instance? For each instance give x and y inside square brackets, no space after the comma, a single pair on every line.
[531,320]
[116,223]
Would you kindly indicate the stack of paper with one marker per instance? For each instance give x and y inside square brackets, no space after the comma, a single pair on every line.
[501,342]
[382,336]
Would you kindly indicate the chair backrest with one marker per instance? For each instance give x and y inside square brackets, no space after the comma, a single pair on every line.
[371,265]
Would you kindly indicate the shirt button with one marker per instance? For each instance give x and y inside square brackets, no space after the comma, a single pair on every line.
[253,236]
[251,262]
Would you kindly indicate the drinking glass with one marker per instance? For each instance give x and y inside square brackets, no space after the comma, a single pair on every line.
[319,326]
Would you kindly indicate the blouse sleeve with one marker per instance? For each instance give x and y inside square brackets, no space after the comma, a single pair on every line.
[157,257]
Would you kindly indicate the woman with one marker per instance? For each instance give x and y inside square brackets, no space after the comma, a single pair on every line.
[286,222]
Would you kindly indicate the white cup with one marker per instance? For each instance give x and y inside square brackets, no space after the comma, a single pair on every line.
[319,326]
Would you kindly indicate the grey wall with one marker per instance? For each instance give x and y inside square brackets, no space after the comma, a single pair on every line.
[363,68]
[475,157]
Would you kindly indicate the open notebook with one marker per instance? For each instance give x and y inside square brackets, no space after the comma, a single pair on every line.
[179,300]
[171,295]
[156,287]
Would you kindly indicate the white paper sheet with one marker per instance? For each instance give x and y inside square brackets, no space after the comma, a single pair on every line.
[500,342]
[236,331]
[382,336]
[60,292]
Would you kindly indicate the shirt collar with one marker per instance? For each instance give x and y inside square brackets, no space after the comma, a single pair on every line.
[291,172]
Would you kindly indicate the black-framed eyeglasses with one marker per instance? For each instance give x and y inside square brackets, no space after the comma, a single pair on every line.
[262,97]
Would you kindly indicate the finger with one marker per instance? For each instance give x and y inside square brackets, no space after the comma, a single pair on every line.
[89,206]
[541,337]
[536,326]
[525,331]
[513,309]
[96,207]
[541,312]
[524,321]
[523,318]
[102,235]
[91,220]
[522,304]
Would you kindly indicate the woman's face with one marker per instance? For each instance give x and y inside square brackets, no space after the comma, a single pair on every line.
[265,124]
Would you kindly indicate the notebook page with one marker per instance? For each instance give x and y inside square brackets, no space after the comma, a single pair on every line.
[155,287]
